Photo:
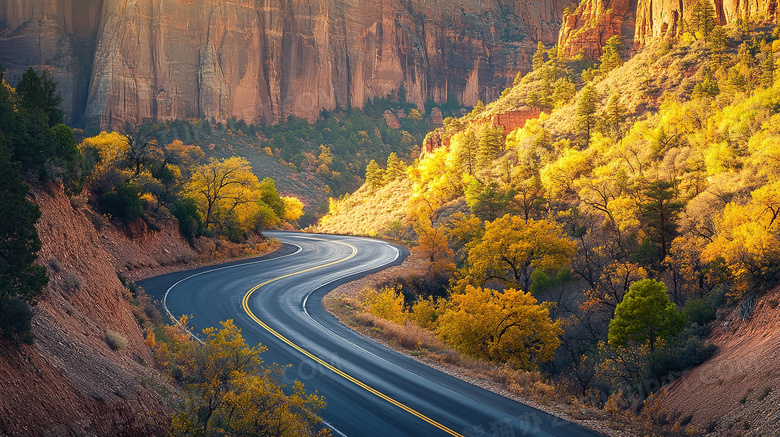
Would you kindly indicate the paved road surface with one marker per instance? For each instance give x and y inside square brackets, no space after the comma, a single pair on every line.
[369,389]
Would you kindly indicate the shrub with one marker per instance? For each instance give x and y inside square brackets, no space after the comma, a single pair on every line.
[55,264]
[387,303]
[190,223]
[15,319]
[699,311]
[72,282]
[116,340]
[123,202]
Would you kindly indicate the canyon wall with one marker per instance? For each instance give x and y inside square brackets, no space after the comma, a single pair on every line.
[123,61]
[593,22]
[57,35]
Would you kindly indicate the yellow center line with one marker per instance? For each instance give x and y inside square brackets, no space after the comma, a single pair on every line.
[350,378]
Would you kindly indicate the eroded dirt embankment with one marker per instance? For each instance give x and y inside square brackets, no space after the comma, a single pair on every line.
[70,382]
[737,391]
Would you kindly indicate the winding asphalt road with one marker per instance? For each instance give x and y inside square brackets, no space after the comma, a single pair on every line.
[369,389]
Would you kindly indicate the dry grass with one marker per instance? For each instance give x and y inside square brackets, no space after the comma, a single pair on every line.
[413,340]
[116,340]
[366,212]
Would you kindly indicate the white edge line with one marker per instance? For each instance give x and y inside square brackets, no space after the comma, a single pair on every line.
[167,310]
[306,310]
[165,297]
[305,300]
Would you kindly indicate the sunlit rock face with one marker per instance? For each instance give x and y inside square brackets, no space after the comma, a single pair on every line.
[136,60]
[588,27]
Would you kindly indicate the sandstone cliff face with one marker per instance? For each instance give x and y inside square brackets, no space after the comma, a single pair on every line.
[588,28]
[594,21]
[266,59]
[57,35]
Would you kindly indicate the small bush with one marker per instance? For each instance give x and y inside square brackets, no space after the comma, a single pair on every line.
[78,202]
[190,223]
[699,311]
[116,340]
[55,264]
[73,282]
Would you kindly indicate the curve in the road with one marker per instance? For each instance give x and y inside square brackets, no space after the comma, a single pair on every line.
[324,363]
[370,389]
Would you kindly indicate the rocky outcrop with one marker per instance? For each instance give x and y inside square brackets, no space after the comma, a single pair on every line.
[512,120]
[437,119]
[264,60]
[593,22]
[588,28]
[658,19]
[70,382]
[390,120]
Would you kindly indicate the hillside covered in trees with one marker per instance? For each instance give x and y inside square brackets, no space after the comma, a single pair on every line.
[598,241]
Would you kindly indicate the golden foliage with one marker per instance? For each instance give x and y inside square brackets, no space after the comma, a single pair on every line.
[512,248]
[225,190]
[228,391]
[507,326]
[386,303]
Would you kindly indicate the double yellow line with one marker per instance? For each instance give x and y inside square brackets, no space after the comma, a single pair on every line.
[350,378]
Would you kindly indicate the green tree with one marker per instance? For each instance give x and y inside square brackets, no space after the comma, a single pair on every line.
[491,144]
[644,316]
[21,280]
[703,19]
[719,44]
[37,93]
[478,108]
[537,61]
[466,152]
[396,168]
[586,111]
[707,87]
[768,69]
[614,116]
[660,212]
[610,58]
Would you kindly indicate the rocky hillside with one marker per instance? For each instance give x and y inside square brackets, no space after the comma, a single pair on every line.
[70,381]
[121,60]
[737,391]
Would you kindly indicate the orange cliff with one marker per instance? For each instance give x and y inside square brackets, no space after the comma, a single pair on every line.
[130,61]
[588,27]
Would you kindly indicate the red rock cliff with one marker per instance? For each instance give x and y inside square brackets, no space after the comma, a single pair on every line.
[265,59]
[593,22]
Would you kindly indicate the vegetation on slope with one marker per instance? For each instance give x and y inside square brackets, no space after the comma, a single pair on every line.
[660,168]
[313,161]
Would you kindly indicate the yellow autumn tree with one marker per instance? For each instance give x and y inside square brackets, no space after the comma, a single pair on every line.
[293,208]
[386,303]
[507,326]
[107,151]
[226,193]
[229,392]
[748,239]
[434,245]
[511,249]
